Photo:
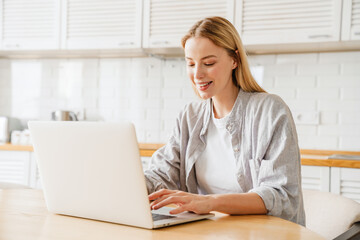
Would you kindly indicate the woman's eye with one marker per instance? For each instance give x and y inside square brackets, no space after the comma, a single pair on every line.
[191,64]
[209,64]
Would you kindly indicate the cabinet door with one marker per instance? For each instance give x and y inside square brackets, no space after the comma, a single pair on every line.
[108,24]
[166,22]
[15,167]
[30,25]
[315,178]
[351,20]
[288,21]
[346,182]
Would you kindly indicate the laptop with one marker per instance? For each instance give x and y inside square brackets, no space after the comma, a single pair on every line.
[93,170]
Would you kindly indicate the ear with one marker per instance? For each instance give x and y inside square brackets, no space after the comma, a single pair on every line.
[235,63]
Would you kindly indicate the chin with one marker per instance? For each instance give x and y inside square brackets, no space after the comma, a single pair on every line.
[204,96]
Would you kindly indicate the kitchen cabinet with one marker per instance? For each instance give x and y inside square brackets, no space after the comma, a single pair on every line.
[30,25]
[338,180]
[157,26]
[166,22]
[288,21]
[351,20]
[19,167]
[316,178]
[346,182]
[108,24]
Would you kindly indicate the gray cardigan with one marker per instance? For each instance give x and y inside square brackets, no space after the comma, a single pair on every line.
[264,143]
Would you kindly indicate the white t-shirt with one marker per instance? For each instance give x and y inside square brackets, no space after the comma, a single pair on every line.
[216,168]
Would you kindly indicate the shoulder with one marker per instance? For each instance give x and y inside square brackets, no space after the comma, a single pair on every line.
[194,109]
[266,102]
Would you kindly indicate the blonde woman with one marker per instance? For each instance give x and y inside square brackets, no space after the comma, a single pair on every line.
[237,151]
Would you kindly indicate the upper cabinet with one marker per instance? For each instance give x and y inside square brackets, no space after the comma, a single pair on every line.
[351,20]
[288,21]
[157,26]
[166,22]
[106,24]
[29,24]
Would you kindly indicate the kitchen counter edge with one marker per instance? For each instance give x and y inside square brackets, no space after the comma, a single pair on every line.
[309,157]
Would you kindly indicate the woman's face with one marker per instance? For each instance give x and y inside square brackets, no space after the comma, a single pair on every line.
[209,68]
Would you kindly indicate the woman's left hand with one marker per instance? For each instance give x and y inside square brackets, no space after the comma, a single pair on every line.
[200,204]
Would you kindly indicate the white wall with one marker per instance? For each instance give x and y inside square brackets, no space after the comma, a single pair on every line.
[150,92]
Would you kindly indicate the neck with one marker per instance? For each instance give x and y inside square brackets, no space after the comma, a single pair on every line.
[224,104]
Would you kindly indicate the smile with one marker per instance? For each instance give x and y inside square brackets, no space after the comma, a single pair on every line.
[203,86]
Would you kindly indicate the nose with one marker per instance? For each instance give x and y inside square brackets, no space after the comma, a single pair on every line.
[199,72]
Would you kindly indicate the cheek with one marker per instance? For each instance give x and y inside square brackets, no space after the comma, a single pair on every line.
[214,72]
[223,71]
[190,73]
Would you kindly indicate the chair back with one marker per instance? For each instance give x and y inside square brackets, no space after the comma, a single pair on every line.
[329,214]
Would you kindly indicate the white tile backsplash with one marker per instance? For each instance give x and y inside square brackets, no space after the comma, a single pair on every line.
[309,69]
[351,68]
[327,117]
[339,57]
[297,58]
[295,81]
[151,92]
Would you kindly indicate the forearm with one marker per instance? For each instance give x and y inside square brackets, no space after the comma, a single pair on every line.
[238,203]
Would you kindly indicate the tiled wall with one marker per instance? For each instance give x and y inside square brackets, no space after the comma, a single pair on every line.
[322,90]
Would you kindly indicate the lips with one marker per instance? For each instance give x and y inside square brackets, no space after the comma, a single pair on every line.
[203,85]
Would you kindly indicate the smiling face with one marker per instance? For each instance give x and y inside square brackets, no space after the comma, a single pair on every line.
[209,68]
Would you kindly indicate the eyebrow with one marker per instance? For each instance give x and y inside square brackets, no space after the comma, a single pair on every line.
[209,56]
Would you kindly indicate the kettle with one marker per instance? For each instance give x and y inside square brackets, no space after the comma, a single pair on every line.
[60,115]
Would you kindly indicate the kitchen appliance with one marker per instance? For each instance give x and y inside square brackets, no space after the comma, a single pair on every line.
[7,125]
[61,115]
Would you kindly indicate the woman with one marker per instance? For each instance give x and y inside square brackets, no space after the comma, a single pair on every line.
[236,152]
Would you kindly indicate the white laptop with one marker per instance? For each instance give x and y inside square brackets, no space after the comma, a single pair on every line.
[93,170]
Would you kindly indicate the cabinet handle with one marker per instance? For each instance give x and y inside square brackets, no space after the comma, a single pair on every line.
[320,36]
[160,42]
[125,43]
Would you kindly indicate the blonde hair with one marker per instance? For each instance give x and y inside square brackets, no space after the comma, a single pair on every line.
[223,34]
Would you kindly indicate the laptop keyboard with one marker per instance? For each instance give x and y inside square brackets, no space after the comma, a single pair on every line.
[157,217]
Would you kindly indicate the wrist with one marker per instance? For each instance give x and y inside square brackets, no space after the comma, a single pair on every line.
[213,202]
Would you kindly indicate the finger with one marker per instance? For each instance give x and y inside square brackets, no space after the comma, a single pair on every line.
[167,201]
[159,193]
[156,201]
[179,210]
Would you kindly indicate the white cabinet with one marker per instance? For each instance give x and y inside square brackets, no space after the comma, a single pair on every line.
[342,181]
[166,22]
[351,20]
[346,182]
[316,178]
[288,21]
[19,167]
[30,25]
[108,24]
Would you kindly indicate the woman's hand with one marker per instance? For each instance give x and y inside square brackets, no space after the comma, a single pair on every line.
[200,204]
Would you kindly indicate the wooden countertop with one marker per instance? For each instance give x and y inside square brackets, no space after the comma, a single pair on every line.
[309,157]
[321,158]
[146,149]
[24,215]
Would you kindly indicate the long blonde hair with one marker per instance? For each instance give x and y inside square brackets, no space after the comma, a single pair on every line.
[223,34]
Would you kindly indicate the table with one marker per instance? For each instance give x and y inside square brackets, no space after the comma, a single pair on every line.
[23,215]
